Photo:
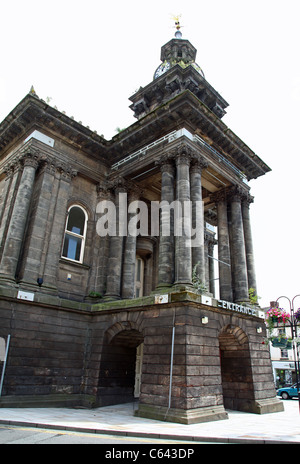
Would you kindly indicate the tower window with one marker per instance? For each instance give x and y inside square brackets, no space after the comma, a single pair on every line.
[75,232]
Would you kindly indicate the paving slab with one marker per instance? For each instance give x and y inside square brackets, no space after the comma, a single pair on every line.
[240,427]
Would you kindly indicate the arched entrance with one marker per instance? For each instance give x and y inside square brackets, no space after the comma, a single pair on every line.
[118,380]
[236,371]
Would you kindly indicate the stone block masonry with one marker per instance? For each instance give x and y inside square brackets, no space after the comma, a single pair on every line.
[76,354]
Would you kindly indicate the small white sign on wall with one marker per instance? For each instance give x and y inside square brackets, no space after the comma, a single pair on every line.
[25,295]
[160,299]
[41,137]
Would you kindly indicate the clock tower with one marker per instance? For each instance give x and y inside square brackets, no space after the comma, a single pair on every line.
[177,51]
[177,72]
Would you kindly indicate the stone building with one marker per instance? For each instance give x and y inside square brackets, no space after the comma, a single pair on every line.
[95,314]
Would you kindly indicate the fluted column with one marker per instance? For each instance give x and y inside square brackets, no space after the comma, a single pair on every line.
[38,235]
[16,229]
[166,242]
[128,280]
[248,242]
[97,277]
[238,250]
[115,260]
[183,250]
[9,174]
[56,226]
[11,186]
[224,261]
[198,247]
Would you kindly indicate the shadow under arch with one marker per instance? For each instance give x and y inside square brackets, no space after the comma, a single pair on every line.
[118,364]
[236,370]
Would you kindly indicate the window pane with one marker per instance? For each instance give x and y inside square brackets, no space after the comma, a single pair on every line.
[76,220]
[138,271]
[72,247]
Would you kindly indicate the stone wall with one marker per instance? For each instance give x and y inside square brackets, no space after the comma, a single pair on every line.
[74,353]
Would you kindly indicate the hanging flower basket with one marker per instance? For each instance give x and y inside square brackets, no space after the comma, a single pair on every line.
[279,342]
[276,315]
[289,345]
[297,315]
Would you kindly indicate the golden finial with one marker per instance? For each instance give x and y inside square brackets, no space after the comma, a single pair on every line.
[177,22]
[177,25]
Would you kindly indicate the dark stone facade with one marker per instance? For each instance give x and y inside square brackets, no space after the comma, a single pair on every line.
[77,304]
[86,356]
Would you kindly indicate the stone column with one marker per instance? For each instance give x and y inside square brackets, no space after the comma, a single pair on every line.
[238,251]
[5,183]
[166,242]
[17,225]
[248,242]
[128,280]
[11,186]
[56,227]
[183,250]
[39,224]
[198,247]
[97,277]
[225,282]
[115,260]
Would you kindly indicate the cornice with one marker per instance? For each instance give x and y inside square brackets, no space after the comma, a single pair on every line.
[176,80]
[33,111]
[187,110]
[183,110]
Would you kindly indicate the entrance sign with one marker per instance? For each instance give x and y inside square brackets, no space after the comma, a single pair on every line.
[240,308]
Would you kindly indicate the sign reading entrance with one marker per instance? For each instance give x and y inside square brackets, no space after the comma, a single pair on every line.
[240,308]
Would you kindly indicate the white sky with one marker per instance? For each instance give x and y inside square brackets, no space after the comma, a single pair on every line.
[89,58]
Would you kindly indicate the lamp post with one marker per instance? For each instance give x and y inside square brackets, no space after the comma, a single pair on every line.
[294,323]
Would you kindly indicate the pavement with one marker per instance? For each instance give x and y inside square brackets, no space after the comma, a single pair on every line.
[281,427]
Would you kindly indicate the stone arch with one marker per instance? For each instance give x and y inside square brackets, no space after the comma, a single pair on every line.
[124,330]
[236,369]
[118,363]
[236,331]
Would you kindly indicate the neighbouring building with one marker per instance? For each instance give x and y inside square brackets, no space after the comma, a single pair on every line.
[108,289]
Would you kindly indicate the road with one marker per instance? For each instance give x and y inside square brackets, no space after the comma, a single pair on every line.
[13,435]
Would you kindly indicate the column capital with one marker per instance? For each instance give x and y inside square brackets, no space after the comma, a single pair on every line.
[134,191]
[10,168]
[247,200]
[220,195]
[166,163]
[183,154]
[118,184]
[48,164]
[237,193]
[30,157]
[104,189]
[198,162]
[66,172]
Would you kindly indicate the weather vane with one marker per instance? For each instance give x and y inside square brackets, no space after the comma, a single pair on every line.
[178,34]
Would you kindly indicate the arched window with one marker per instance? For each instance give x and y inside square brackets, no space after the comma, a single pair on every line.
[75,232]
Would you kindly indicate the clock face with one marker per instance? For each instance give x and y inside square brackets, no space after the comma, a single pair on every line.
[162,69]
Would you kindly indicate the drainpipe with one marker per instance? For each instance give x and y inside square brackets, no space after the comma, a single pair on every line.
[171,365]
[4,364]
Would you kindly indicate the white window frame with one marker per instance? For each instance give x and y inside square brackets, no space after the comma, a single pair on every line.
[70,233]
[139,284]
